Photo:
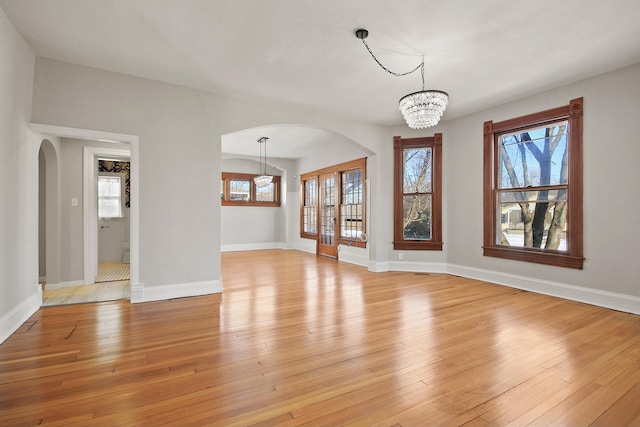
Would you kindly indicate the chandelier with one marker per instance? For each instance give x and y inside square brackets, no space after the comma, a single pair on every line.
[421,109]
[263,180]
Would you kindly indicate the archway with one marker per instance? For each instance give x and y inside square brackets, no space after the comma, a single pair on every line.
[48,213]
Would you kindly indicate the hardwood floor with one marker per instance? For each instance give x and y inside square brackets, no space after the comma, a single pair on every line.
[296,339]
[104,291]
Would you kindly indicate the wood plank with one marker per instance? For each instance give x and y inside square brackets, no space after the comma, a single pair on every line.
[296,339]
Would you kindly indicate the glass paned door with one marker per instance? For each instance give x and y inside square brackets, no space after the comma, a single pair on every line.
[327,239]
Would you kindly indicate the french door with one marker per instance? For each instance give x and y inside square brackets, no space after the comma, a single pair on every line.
[327,243]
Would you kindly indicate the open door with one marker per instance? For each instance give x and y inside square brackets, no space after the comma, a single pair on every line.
[327,244]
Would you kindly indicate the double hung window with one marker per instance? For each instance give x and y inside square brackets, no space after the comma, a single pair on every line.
[533,187]
[417,193]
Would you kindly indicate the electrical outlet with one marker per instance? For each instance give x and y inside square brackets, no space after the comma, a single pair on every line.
[400,256]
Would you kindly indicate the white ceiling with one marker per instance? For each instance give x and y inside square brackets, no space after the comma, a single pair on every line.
[304,52]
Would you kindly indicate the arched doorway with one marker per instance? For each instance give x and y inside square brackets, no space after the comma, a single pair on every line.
[48,213]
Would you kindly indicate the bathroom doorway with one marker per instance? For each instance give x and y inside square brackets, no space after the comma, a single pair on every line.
[113,199]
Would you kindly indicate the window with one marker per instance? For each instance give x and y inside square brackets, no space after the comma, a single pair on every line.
[417,223]
[238,189]
[310,207]
[351,219]
[533,187]
[109,196]
[348,190]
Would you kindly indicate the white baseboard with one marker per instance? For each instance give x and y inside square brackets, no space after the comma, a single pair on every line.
[357,256]
[417,267]
[60,285]
[11,321]
[378,266]
[179,290]
[306,245]
[613,300]
[251,246]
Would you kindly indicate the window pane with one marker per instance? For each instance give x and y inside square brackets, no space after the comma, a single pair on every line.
[109,196]
[310,219]
[311,192]
[535,219]
[109,186]
[351,221]
[239,190]
[416,218]
[266,194]
[417,170]
[535,157]
[352,187]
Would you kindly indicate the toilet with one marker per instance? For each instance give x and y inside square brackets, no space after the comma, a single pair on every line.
[125,255]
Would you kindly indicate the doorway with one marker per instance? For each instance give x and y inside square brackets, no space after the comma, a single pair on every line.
[90,223]
[327,243]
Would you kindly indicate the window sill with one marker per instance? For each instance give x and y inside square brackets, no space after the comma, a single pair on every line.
[417,246]
[263,204]
[538,256]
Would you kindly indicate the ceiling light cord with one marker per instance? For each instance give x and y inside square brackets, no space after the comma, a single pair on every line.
[420,66]
[421,109]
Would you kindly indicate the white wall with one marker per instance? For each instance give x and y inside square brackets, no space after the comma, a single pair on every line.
[71,217]
[253,227]
[179,165]
[179,130]
[611,191]
[18,183]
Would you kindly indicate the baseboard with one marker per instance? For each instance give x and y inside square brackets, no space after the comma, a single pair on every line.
[60,285]
[378,266]
[613,300]
[306,245]
[357,256]
[417,267]
[11,321]
[251,246]
[179,290]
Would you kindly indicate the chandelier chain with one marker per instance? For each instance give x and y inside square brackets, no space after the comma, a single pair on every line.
[420,66]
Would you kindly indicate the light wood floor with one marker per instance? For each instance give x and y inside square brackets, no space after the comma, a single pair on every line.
[104,291]
[296,339]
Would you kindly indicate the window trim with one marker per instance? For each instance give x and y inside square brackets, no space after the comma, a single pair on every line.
[227,177]
[399,144]
[338,169]
[573,258]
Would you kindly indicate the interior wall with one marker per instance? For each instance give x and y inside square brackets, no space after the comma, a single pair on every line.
[18,182]
[611,177]
[179,161]
[252,227]
[71,217]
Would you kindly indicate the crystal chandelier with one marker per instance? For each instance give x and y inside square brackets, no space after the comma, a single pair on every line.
[263,180]
[421,109]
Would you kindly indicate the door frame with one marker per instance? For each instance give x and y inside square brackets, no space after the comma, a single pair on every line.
[137,294]
[90,206]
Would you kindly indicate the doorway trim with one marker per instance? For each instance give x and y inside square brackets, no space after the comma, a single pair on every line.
[134,146]
[90,207]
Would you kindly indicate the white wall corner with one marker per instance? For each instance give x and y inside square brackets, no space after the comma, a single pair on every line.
[11,321]
[378,266]
[180,290]
[612,300]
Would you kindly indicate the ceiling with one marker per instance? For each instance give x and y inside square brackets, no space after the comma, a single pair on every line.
[304,52]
